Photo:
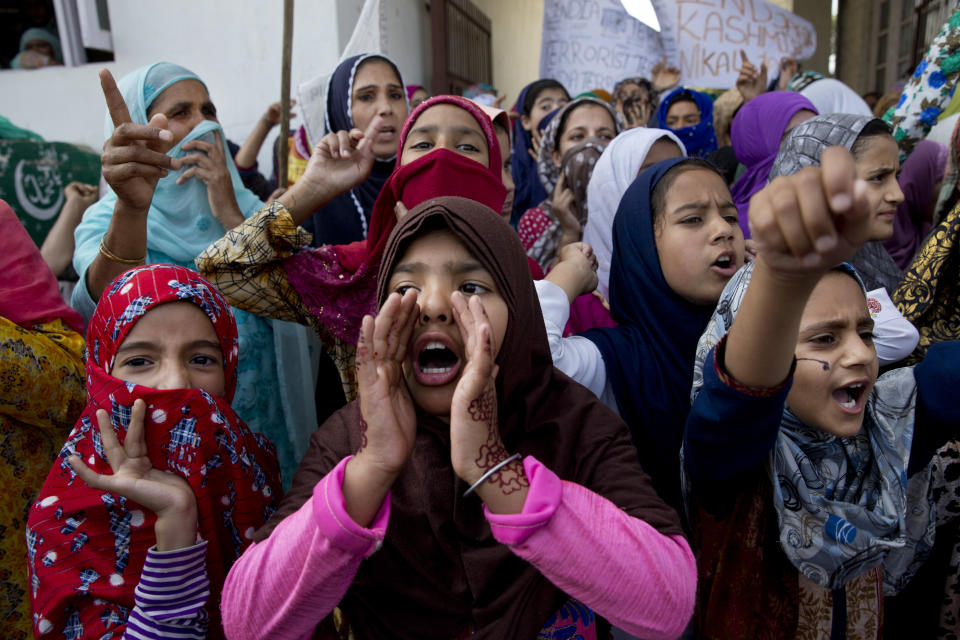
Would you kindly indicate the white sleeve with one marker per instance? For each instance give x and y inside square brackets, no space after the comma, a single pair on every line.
[576,356]
[893,335]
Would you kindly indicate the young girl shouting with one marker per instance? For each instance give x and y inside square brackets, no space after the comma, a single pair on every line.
[472,488]
[676,243]
[819,485]
[157,457]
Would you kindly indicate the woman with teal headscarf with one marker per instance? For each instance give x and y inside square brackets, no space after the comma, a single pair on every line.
[173,190]
[38,48]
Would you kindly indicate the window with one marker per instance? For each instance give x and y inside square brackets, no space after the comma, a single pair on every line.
[67,32]
[882,37]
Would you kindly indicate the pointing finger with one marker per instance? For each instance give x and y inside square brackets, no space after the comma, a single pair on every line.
[114,99]
[839,173]
[373,130]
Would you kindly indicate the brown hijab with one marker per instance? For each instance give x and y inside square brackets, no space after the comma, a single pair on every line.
[440,572]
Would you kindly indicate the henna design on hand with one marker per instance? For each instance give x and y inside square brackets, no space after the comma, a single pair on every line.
[512,477]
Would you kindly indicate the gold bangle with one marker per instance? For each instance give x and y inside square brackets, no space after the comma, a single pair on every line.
[106,253]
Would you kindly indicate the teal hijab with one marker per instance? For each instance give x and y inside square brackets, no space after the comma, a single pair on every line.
[37,34]
[180,223]
[276,382]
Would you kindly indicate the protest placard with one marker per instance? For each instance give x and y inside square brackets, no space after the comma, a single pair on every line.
[595,43]
[704,37]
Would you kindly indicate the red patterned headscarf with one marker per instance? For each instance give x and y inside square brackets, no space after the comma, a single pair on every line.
[440,173]
[338,283]
[86,547]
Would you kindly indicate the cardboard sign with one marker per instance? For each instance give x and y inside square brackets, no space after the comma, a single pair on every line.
[704,37]
[589,44]
[595,43]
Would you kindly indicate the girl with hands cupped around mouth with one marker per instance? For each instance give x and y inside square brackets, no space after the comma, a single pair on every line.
[472,488]
[439,357]
[823,453]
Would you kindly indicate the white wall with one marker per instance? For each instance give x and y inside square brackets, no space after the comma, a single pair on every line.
[517,32]
[233,45]
[407,39]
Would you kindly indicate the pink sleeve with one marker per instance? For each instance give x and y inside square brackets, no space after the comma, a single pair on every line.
[285,585]
[625,570]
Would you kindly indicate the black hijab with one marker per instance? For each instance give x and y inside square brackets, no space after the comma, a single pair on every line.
[345,218]
[649,356]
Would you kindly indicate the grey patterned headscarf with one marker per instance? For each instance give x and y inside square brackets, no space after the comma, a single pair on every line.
[806,142]
[548,170]
[844,505]
[803,148]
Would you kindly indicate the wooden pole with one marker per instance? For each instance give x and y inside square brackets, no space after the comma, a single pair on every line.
[285,93]
[438,39]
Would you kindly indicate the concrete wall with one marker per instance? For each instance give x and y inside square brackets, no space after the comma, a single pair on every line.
[517,26]
[408,39]
[234,45]
[855,46]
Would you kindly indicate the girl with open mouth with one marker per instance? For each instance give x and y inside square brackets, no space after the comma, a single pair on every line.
[472,489]
[840,477]
[676,243]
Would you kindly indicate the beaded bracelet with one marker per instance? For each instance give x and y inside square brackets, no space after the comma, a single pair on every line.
[109,255]
[489,473]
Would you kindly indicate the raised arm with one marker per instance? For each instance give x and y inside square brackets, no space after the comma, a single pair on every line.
[57,248]
[134,159]
[574,274]
[804,224]
[247,264]
[246,156]
[339,162]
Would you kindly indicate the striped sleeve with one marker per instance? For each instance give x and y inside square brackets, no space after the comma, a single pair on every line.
[169,600]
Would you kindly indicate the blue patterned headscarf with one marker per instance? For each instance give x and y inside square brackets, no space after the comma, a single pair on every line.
[844,505]
[699,139]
